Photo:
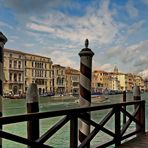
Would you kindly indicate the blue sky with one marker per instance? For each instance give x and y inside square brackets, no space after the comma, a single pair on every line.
[117,31]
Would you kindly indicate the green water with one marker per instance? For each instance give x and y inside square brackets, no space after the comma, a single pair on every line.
[61,138]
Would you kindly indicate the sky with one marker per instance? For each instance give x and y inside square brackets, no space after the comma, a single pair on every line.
[117,31]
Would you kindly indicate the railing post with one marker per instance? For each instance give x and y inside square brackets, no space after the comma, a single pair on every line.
[142,115]
[85,88]
[117,126]
[74,132]
[3,40]
[137,96]
[124,100]
[32,107]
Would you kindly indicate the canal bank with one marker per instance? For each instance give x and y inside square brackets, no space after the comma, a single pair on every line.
[13,107]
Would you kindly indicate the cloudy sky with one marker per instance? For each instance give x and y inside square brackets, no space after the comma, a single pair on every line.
[117,31]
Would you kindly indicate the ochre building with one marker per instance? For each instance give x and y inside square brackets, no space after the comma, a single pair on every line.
[58,79]
[21,69]
[72,81]
[115,80]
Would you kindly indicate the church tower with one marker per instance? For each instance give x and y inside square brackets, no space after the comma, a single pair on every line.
[115,69]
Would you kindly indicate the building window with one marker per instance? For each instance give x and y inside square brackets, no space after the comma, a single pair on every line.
[15,77]
[45,74]
[10,55]
[19,77]
[41,73]
[32,73]
[50,73]
[19,64]
[32,64]
[10,86]
[15,64]
[10,63]
[10,77]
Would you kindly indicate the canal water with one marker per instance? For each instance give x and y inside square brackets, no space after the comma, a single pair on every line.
[61,138]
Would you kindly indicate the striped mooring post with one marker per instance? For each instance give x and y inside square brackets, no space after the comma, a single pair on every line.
[32,107]
[86,55]
[3,40]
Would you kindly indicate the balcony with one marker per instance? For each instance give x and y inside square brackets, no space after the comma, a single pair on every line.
[60,85]
[15,82]
[16,69]
[76,80]
[75,86]
[36,77]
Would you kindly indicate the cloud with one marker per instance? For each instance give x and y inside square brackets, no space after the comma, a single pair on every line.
[41,28]
[115,50]
[46,27]
[64,58]
[23,10]
[29,45]
[133,57]
[144,74]
[106,67]
[96,25]
[35,6]
[135,27]
[131,9]
[3,24]
[142,61]
[128,51]
[135,52]
[145,2]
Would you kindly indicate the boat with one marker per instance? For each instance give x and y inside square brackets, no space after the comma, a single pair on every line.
[47,94]
[15,96]
[95,99]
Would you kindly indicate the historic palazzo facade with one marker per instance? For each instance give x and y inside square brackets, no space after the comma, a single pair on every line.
[21,69]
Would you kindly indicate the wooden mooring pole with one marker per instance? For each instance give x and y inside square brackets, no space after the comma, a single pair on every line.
[32,107]
[85,88]
[141,113]
[3,40]
[124,100]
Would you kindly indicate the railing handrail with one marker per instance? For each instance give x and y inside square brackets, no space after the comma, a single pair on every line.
[56,113]
[73,115]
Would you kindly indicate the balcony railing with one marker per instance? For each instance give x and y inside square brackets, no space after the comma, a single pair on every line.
[16,69]
[13,81]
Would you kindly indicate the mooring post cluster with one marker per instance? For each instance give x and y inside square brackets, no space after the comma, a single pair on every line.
[86,55]
[3,40]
